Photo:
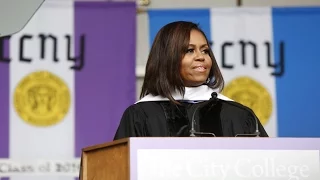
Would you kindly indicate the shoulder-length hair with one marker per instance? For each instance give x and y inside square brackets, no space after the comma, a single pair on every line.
[162,76]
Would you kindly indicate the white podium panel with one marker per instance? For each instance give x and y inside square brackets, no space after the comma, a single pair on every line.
[224,158]
[184,164]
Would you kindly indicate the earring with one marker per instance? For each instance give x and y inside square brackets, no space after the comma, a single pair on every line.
[208,80]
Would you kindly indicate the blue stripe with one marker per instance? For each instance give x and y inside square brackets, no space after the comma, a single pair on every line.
[298,99]
[159,18]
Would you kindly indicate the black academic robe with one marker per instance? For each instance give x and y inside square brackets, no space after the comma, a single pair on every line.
[165,119]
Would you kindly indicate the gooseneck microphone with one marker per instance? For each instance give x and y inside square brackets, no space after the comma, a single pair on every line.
[257,132]
[193,122]
[193,132]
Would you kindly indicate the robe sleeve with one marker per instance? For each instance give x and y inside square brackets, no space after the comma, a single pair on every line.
[131,123]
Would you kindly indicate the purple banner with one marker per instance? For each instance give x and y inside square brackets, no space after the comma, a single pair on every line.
[105,46]
[4,101]
[106,84]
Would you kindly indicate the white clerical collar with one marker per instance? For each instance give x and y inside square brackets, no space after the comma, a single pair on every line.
[200,93]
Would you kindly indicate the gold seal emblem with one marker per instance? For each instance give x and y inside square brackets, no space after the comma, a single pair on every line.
[252,94]
[42,99]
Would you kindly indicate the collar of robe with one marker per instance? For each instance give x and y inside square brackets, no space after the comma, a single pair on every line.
[199,93]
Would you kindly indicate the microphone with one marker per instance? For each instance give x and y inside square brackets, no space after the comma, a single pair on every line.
[193,132]
[193,122]
[257,132]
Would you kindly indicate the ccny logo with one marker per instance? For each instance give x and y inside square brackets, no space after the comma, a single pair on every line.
[252,94]
[42,99]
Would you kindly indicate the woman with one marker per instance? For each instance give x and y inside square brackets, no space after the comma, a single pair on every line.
[179,94]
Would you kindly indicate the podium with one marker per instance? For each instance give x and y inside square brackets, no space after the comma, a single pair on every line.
[188,158]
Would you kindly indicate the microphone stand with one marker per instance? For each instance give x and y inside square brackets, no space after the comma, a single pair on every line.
[193,122]
[193,132]
[257,132]
[200,134]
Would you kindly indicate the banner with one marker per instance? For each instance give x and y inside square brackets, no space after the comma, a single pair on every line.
[269,58]
[66,79]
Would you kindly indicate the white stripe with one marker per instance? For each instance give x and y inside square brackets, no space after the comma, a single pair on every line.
[28,141]
[41,168]
[233,25]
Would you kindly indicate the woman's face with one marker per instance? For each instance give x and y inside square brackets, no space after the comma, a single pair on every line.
[196,63]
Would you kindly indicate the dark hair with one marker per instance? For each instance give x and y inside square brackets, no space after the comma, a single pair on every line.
[162,75]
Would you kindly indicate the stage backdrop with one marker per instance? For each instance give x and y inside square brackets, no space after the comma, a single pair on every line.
[269,58]
[65,81]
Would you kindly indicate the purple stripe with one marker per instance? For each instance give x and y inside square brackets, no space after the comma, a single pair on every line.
[106,84]
[226,143]
[4,104]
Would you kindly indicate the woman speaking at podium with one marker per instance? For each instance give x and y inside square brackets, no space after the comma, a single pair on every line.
[180,93]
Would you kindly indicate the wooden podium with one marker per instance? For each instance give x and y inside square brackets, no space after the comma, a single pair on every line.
[189,158]
[106,161]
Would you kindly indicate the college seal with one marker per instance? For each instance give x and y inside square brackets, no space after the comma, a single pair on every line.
[42,99]
[252,94]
